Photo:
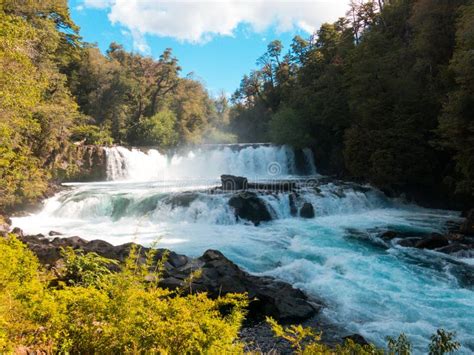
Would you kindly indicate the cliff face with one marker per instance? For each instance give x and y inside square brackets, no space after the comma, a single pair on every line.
[85,163]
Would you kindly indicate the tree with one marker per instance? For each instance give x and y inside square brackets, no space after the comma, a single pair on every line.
[192,107]
[158,130]
[456,124]
[299,136]
[36,109]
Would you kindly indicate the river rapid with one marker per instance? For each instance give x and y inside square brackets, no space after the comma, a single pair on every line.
[368,287]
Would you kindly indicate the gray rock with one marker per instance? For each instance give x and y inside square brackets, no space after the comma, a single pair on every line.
[233,183]
[433,241]
[247,205]
[18,231]
[182,199]
[307,210]
[270,297]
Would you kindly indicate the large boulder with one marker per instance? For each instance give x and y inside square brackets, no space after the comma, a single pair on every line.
[247,205]
[433,241]
[4,225]
[233,183]
[468,226]
[182,199]
[270,297]
[307,210]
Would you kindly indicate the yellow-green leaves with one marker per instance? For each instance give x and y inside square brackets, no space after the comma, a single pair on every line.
[104,312]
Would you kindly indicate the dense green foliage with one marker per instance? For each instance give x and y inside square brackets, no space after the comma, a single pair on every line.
[384,95]
[56,90]
[36,108]
[139,100]
[96,311]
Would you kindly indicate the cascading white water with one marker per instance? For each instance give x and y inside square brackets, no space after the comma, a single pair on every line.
[309,161]
[367,289]
[253,161]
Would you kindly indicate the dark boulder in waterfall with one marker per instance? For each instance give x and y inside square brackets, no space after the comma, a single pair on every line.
[292,198]
[456,244]
[219,275]
[468,226]
[247,205]
[307,210]
[182,199]
[433,241]
[233,183]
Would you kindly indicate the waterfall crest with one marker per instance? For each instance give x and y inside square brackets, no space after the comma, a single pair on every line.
[252,161]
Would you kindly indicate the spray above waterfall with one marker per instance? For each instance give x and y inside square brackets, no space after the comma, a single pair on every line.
[254,161]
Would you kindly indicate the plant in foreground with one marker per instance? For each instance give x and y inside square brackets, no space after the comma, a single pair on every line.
[307,341]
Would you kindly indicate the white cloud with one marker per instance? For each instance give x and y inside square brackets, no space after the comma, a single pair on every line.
[98,4]
[199,21]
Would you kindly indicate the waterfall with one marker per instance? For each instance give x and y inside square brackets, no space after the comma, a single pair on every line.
[309,160]
[252,161]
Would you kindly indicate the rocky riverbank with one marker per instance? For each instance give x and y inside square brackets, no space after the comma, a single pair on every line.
[219,276]
[458,241]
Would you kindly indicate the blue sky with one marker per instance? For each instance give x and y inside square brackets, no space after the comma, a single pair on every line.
[217,40]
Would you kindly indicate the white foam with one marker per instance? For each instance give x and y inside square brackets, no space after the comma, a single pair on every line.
[253,161]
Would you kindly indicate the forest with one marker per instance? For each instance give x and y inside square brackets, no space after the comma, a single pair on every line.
[384,95]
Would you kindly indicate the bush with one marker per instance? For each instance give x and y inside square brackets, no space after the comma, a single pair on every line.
[123,313]
[88,269]
[91,134]
[306,340]
[443,343]
[399,346]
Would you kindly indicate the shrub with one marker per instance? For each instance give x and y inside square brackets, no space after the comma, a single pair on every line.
[399,346]
[103,312]
[88,269]
[306,340]
[443,343]
[91,134]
